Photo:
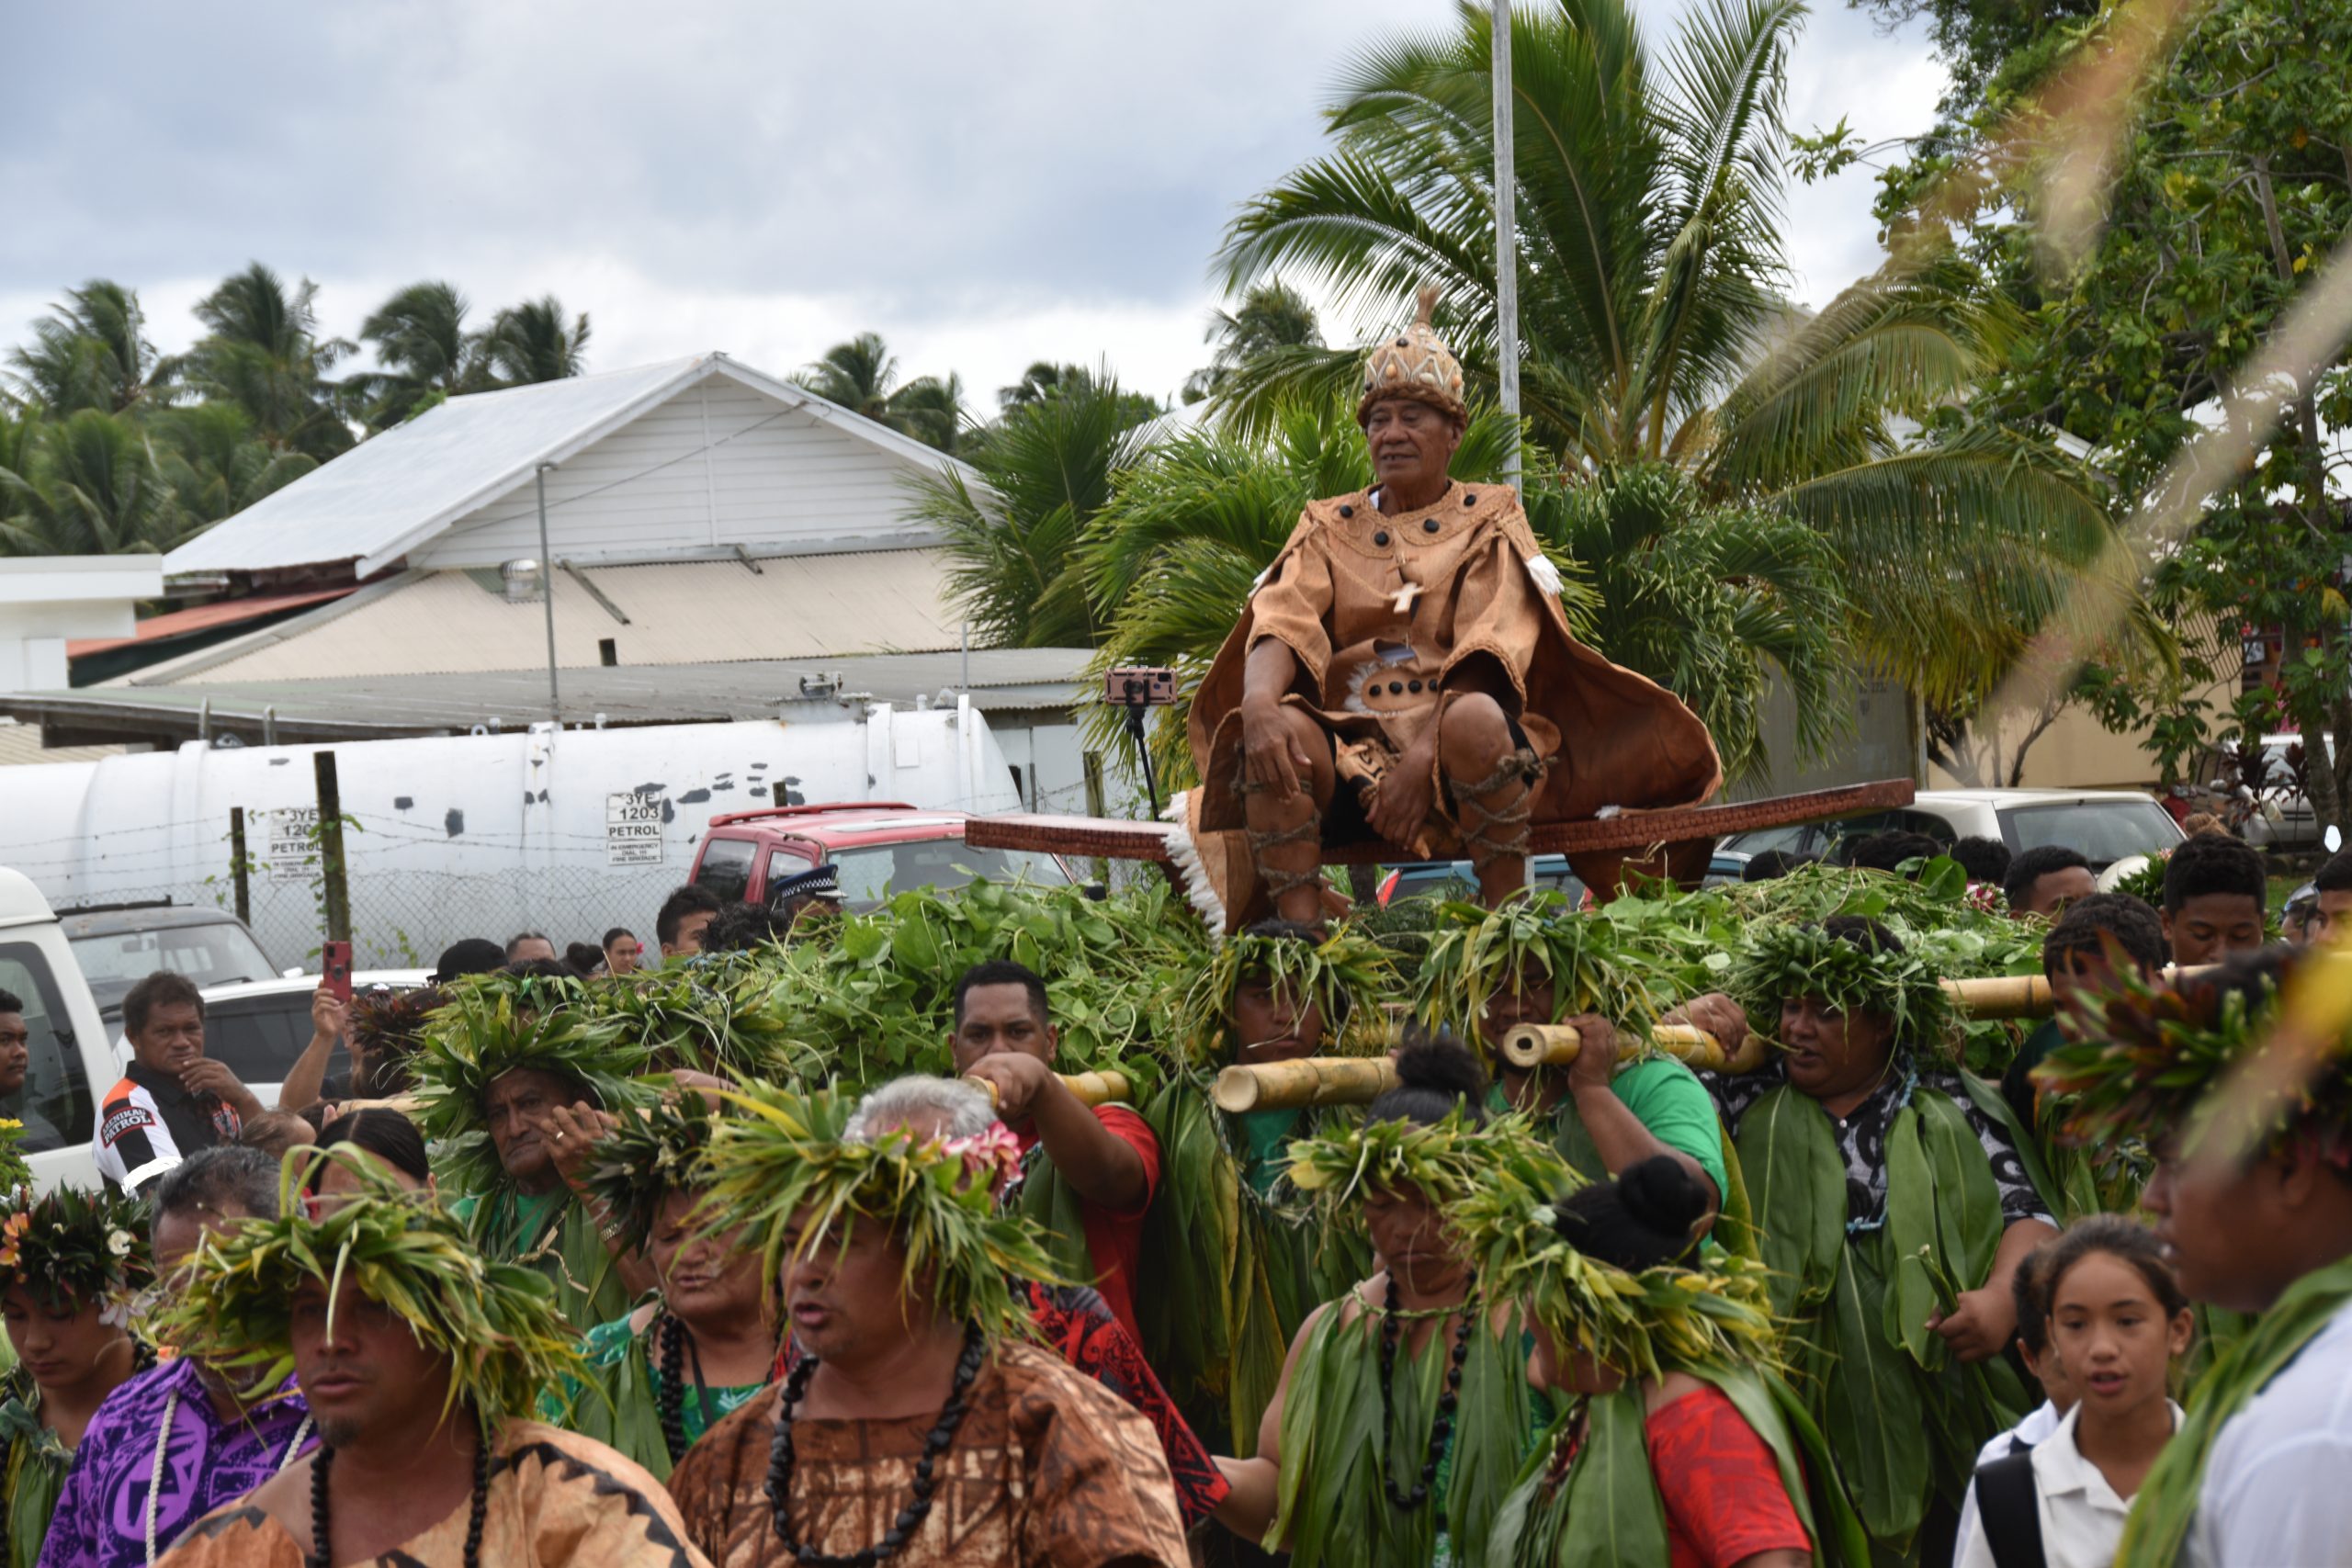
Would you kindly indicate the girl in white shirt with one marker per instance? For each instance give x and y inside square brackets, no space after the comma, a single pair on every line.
[2117,1319]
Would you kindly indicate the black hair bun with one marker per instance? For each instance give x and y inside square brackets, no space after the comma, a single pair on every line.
[1641,1220]
[1660,1194]
[1441,1063]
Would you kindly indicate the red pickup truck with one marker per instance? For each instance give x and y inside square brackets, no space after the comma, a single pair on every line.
[879,846]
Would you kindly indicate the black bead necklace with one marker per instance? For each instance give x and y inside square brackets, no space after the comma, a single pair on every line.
[910,1517]
[1440,1430]
[673,1397]
[322,1517]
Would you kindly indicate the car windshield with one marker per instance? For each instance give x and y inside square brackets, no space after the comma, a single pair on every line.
[208,954]
[869,876]
[2101,831]
[260,1037]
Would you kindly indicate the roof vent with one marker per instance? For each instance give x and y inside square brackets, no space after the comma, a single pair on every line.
[522,579]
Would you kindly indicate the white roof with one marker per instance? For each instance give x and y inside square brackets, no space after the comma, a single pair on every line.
[2025,797]
[387,495]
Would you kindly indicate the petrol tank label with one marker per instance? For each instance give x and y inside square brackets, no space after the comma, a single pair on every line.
[633,830]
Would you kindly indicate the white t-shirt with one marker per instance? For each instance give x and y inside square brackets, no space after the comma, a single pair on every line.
[2279,1487]
[2033,1430]
[2082,1519]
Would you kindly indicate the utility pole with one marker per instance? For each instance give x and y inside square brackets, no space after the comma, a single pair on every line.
[1505,240]
[334,871]
[547,588]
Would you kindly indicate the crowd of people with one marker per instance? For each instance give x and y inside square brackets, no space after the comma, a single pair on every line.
[1762,1260]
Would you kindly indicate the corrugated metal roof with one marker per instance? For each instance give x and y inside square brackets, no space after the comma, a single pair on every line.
[21,744]
[394,492]
[1001,680]
[678,613]
[203,617]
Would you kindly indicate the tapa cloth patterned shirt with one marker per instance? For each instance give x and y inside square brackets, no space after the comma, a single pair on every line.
[557,1500]
[1048,1469]
[101,1519]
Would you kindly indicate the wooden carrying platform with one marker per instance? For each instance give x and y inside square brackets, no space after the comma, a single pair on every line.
[1634,830]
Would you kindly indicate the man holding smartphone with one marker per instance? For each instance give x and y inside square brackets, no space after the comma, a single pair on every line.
[173,1099]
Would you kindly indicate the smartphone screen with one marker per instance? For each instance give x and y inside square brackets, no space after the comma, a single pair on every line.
[334,960]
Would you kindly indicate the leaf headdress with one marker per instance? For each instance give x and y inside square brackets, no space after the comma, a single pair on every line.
[1343,973]
[498,1323]
[1445,1161]
[1709,1309]
[1849,971]
[2213,1051]
[787,1153]
[1476,954]
[657,1149]
[388,1028]
[70,1248]
[494,1024]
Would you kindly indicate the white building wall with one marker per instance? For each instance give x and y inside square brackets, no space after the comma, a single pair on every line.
[716,466]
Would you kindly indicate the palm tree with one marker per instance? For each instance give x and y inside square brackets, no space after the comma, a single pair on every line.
[530,343]
[420,338]
[1650,288]
[1272,315]
[89,352]
[264,355]
[1711,601]
[82,485]
[1013,541]
[862,375]
[214,466]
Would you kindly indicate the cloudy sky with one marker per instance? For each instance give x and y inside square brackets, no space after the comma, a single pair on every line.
[986,185]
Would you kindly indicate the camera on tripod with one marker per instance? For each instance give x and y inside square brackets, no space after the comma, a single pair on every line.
[1141,687]
[1135,688]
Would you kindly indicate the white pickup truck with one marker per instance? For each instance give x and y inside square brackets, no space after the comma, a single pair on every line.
[73,1062]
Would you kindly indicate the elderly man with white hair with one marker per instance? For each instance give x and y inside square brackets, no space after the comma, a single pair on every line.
[1072,1319]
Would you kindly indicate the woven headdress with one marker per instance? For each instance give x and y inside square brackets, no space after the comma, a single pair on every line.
[2257,1053]
[70,1249]
[494,1024]
[498,1323]
[1413,363]
[1341,974]
[1709,1307]
[788,1157]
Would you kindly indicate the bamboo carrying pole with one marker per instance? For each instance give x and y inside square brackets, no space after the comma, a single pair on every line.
[1104,1087]
[1304,1080]
[2003,996]
[1557,1045]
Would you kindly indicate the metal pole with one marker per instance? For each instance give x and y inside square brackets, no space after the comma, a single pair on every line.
[237,870]
[547,588]
[1506,241]
[338,888]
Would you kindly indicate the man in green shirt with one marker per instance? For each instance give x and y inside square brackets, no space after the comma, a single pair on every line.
[1604,1117]
[1502,968]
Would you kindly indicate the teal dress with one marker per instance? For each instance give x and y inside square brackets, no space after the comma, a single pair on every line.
[620,1405]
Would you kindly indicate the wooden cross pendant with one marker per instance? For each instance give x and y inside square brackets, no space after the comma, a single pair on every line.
[1403,605]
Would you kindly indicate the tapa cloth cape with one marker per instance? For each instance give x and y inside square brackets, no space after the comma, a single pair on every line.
[1380,611]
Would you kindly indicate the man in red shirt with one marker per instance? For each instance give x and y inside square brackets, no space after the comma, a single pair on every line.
[1005,1039]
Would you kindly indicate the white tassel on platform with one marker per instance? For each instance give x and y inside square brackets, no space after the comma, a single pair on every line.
[1199,890]
[1546,576]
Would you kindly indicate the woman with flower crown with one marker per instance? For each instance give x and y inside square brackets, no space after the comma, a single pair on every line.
[69,1265]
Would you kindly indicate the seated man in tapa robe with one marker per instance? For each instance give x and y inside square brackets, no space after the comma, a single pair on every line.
[1404,672]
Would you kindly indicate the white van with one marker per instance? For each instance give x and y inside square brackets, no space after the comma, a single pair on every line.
[73,1061]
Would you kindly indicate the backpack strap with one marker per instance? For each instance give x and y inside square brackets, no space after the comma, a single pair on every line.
[2009,1503]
